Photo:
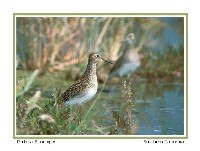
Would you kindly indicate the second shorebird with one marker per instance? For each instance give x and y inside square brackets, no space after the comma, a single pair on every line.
[129,61]
[84,88]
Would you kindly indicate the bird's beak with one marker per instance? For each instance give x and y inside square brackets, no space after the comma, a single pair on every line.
[106,61]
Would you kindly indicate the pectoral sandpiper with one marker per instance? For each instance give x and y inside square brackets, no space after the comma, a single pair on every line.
[85,88]
[129,61]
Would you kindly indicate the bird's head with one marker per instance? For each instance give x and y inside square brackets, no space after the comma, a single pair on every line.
[95,58]
[129,38]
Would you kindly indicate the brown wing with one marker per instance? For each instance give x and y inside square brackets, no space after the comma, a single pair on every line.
[75,89]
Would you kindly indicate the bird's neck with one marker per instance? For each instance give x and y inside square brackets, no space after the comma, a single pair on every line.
[128,47]
[91,69]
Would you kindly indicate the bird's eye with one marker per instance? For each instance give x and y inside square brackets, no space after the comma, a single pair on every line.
[97,55]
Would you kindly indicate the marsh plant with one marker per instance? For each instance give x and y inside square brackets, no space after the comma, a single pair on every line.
[123,118]
[128,106]
[55,43]
[38,116]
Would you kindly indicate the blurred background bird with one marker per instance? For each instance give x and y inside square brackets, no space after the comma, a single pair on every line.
[129,61]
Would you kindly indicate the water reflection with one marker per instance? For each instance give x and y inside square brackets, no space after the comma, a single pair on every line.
[158,107]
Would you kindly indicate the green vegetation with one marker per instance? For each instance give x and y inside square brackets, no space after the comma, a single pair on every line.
[166,67]
[38,114]
[52,53]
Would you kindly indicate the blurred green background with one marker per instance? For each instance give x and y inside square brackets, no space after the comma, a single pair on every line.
[54,43]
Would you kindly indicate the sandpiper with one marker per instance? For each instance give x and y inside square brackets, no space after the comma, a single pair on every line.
[129,61]
[85,88]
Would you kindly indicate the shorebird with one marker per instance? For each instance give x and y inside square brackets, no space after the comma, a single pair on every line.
[85,88]
[129,61]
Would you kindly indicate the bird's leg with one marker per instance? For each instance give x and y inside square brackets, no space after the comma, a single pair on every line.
[79,114]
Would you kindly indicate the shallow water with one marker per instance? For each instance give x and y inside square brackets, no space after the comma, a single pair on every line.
[158,107]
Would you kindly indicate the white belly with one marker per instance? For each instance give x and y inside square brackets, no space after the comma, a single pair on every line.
[82,98]
[127,69]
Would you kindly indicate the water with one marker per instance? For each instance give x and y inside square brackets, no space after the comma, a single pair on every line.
[158,107]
